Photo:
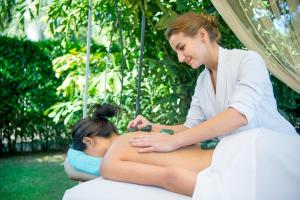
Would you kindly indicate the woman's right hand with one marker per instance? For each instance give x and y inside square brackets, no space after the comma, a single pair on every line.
[139,122]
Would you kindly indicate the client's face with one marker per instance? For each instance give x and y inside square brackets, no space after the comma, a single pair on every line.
[97,146]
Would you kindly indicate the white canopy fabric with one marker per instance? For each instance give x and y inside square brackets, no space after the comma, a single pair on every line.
[272,28]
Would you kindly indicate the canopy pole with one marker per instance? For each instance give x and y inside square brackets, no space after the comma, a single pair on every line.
[118,22]
[87,65]
[107,63]
[140,65]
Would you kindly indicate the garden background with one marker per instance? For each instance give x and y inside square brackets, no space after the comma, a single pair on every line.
[42,69]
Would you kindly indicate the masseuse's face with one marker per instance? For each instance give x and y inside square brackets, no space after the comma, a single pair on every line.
[190,50]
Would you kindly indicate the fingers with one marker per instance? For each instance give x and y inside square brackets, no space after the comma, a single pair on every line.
[146,150]
[141,141]
[140,126]
[138,122]
[134,122]
[144,143]
[130,125]
[141,144]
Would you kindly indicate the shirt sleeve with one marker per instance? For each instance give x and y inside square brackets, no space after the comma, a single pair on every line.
[253,77]
[195,114]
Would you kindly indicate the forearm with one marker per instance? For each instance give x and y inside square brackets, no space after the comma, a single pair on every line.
[222,124]
[171,178]
[132,172]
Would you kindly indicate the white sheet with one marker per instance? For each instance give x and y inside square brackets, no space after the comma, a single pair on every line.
[258,164]
[101,189]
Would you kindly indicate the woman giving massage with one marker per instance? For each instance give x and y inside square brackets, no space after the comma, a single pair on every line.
[233,101]
[175,171]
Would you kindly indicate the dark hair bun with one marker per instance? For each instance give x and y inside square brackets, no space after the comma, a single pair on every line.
[103,111]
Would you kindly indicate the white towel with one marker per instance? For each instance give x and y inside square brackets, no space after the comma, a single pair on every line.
[257,164]
[101,189]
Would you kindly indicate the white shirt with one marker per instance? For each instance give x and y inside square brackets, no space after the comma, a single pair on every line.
[243,83]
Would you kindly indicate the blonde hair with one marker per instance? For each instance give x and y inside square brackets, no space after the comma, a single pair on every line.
[189,23]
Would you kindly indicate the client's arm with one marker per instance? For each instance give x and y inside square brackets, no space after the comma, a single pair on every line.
[123,163]
[171,178]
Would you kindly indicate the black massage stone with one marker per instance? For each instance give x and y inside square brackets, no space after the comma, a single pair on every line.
[209,144]
[168,131]
[147,128]
[133,129]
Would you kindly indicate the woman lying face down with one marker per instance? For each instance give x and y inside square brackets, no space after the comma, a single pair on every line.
[175,171]
[93,135]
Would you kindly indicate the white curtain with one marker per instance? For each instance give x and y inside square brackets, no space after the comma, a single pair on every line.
[270,27]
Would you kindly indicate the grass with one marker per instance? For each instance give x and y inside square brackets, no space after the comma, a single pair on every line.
[33,177]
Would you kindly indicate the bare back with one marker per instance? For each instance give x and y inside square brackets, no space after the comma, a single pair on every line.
[191,158]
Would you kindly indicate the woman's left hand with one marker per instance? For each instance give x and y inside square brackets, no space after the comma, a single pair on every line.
[154,142]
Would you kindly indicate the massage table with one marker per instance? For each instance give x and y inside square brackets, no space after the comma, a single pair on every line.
[92,187]
[257,164]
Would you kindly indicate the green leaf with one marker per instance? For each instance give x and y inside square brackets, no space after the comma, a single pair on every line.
[165,20]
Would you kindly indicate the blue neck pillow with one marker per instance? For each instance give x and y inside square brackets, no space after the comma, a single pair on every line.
[83,162]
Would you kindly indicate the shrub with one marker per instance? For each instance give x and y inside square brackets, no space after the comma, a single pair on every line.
[28,87]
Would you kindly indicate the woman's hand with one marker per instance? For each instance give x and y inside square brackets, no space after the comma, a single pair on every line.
[154,142]
[139,122]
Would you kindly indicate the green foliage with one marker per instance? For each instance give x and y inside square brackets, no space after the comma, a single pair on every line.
[103,79]
[288,102]
[27,85]
[13,12]
[167,85]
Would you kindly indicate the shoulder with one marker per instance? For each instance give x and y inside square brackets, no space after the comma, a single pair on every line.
[247,59]
[253,61]
[245,64]
[253,55]
[122,142]
[243,54]
[247,55]
[253,67]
